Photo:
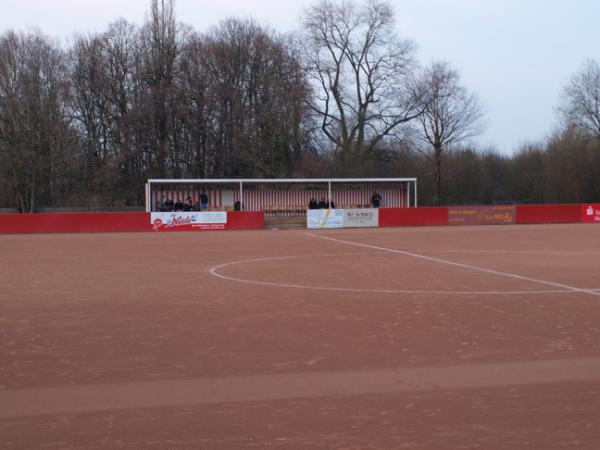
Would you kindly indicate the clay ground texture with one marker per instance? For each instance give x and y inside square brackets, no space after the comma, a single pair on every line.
[413,338]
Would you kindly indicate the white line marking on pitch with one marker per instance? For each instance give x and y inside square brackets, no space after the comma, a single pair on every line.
[464,266]
[214,271]
[509,252]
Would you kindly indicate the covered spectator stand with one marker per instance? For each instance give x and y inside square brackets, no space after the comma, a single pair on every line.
[283,196]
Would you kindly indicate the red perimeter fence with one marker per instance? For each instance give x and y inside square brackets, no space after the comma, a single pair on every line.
[106,222]
[252,220]
[529,214]
[412,217]
[75,222]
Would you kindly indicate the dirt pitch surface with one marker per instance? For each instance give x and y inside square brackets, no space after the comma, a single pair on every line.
[414,338]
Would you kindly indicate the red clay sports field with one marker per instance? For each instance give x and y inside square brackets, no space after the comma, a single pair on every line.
[420,338]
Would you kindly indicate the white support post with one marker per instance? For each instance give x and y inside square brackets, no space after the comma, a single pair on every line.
[329,194]
[148,198]
[408,193]
[416,193]
[241,195]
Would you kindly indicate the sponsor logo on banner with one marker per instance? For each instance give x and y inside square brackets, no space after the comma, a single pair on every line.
[590,213]
[325,218]
[481,215]
[358,218]
[181,221]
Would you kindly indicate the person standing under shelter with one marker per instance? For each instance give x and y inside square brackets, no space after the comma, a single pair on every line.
[203,201]
[162,203]
[188,205]
[376,200]
[178,205]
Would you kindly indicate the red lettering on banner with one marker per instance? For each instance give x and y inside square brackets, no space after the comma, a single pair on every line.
[180,221]
[209,226]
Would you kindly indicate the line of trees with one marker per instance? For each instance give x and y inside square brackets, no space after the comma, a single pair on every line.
[344,96]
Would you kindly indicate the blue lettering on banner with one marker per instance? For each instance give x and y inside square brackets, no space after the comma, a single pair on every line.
[325,218]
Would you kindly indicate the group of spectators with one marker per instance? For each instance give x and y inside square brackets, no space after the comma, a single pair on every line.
[166,204]
[323,204]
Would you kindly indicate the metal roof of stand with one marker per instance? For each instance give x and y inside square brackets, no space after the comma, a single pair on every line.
[280,180]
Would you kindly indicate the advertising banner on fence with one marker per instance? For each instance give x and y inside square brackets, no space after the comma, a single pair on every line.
[481,215]
[590,213]
[325,218]
[358,218]
[182,221]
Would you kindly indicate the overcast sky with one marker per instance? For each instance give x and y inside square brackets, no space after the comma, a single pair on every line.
[515,54]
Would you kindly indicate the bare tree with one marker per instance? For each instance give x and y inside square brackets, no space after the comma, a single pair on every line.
[90,109]
[161,40]
[161,101]
[104,81]
[580,103]
[245,92]
[360,69]
[451,115]
[35,137]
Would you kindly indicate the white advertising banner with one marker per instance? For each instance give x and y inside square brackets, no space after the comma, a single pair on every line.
[359,218]
[325,218]
[203,220]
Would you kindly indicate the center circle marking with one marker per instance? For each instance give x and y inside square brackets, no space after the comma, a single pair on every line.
[215,272]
